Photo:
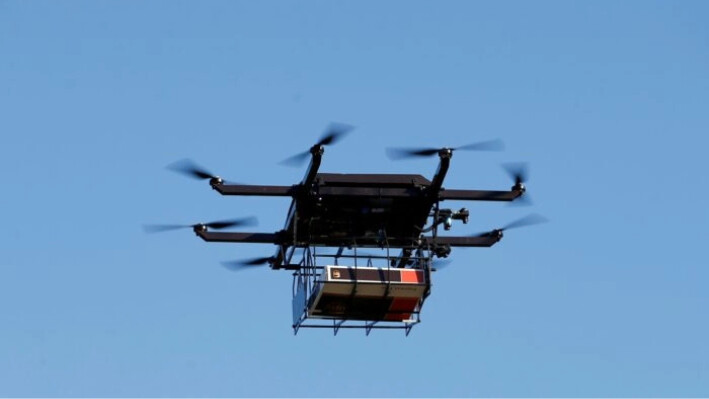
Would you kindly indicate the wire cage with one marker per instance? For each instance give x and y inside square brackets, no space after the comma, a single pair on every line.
[360,290]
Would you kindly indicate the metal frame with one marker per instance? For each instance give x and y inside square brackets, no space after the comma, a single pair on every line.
[306,279]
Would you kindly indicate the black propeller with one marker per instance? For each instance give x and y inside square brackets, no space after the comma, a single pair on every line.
[237,265]
[334,133]
[528,220]
[519,172]
[190,168]
[402,153]
[221,224]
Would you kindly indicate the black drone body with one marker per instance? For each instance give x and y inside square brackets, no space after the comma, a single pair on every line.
[346,212]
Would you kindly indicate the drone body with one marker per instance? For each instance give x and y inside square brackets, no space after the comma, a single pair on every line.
[332,216]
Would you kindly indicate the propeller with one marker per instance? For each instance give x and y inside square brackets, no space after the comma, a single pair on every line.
[189,168]
[402,153]
[334,133]
[528,220]
[237,265]
[519,173]
[216,225]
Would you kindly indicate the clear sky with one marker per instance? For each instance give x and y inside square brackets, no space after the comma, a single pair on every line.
[608,101]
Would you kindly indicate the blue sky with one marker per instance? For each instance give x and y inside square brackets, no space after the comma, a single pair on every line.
[606,100]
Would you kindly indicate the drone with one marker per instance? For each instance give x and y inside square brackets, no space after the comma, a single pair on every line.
[335,218]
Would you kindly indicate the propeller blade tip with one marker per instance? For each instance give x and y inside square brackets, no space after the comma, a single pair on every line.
[296,160]
[189,168]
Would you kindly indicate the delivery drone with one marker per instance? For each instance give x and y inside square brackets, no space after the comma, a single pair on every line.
[332,217]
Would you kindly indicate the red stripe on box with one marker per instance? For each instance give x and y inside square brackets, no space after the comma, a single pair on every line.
[411,276]
[400,308]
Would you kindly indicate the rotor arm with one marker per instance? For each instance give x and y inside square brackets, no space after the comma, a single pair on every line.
[483,241]
[316,151]
[289,191]
[255,190]
[279,238]
[445,155]
[276,261]
[273,191]
[480,195]
[253,238]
